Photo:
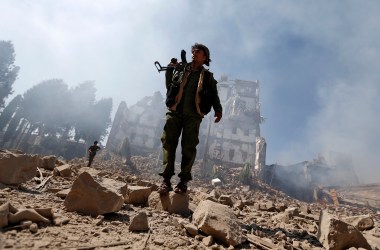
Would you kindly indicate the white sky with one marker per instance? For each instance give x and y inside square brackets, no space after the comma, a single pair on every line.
[317,61]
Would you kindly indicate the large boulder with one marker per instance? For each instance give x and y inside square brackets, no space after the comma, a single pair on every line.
[16,167]
[89,196]
[219,221]
[335,234]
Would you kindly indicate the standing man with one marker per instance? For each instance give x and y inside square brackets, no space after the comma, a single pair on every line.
[191,92]
[92,152]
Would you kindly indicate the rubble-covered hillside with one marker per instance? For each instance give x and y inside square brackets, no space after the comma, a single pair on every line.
[50,203]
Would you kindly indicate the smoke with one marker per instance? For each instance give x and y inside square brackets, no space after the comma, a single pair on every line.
[349,122]
[316,62]
[332,79]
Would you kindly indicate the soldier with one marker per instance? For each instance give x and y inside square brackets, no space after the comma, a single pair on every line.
[191,92]
[92,152]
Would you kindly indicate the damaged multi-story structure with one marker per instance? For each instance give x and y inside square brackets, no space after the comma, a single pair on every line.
[231,141]
[235,141]
[312,180]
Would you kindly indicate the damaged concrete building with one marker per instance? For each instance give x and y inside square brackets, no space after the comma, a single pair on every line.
[313,180]
[231,141]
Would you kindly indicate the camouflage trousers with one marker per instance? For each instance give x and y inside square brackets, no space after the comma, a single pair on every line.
[188,126]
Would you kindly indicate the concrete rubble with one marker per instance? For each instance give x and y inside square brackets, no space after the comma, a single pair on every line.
[111,206]
[17,167]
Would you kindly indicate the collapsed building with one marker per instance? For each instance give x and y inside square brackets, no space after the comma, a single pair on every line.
[232,141]
[313,180]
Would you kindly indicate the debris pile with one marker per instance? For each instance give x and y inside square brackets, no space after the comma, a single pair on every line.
[113,204]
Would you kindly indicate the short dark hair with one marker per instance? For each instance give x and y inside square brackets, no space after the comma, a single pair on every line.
[206,51]
[95,142]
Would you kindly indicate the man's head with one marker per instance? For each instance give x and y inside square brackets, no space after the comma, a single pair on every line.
[95,142]
[196,48]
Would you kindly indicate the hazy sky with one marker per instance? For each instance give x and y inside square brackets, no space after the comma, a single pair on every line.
[317,61]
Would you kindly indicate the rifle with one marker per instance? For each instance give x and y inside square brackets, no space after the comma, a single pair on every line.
[177,66]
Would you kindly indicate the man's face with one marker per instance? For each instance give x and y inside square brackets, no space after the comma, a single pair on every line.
[198,56]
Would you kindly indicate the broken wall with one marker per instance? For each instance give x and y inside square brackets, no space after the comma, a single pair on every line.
[142,124]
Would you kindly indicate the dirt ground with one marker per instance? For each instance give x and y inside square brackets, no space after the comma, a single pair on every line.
[166,230]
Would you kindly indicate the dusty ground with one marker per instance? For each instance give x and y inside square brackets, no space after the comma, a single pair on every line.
[166,230]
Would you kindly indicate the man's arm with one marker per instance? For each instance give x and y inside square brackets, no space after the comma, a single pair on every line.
[216,101]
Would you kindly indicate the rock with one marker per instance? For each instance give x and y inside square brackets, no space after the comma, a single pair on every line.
[4,211]
[216,182]
[282,217]
[139,222]
[60,220]
[33,228]
[215,193]
[191,229]
[100,219]
[372,240]
[218,221]
[91,171]
[208,241]
[361,222]
[226,200]
[172,203]
[64,171]
[45,212]
[281,207]
[90,197]
[137,195]
[305,209]
[239,204]
[26,214]
[17,168]
[117,186]
[25,224]
[269,206]
[292,211]
[335,234]
[48,162]
[63,193]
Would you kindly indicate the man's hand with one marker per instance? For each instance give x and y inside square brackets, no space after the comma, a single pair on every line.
[218,116]
[173,62]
